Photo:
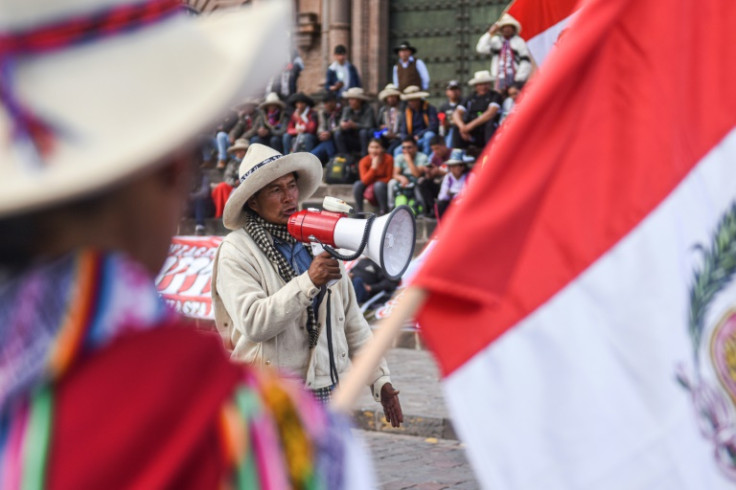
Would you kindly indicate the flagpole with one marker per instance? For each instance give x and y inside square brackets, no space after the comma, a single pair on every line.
[370,355]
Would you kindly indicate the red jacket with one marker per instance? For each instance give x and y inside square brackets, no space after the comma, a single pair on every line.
[383,173]
[296,119]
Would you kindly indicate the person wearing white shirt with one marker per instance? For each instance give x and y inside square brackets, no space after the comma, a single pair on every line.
[409,70]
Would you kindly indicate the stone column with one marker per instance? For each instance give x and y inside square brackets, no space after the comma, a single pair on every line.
[339,24]
[309,36]
[370,42]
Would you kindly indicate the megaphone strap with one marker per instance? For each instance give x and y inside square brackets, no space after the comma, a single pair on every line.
[334,377]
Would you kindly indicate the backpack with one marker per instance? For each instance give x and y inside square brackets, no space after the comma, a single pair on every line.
[405,196]
[341,169]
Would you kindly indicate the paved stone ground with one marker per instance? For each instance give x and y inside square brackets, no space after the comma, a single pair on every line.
[409,462]
[414,373]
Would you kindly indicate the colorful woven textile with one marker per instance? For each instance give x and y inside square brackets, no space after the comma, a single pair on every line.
[272,434]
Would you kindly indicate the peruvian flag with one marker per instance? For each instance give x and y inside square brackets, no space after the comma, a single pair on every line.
[592,343]
[542,21]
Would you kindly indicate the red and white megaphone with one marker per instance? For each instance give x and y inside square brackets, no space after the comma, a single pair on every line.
[387,240]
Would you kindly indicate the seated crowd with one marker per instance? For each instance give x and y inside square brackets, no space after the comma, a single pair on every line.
[404,149]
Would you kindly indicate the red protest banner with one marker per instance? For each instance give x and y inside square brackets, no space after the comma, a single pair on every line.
[184,281]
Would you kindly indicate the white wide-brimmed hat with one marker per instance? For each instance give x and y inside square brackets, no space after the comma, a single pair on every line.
[123,100]
[240,144]
[508,20]
[483,76]
[388,90]
[458,157]
[261,166]
[272,99]
[413,92]
[355,93]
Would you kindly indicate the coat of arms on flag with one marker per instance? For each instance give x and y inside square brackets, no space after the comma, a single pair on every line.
[713,333]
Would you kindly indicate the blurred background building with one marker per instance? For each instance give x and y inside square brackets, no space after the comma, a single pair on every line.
[444,32]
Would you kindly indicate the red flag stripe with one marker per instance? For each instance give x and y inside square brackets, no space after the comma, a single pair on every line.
[536,16]
[565,182]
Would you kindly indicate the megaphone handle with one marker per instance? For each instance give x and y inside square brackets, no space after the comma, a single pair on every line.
[317,249]
[363,243]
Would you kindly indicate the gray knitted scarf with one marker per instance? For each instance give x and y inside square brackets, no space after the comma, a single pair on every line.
[259,229]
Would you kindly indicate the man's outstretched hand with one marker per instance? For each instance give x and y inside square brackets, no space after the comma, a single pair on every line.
[391,405]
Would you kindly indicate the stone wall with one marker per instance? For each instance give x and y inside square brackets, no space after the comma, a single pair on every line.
[360,25]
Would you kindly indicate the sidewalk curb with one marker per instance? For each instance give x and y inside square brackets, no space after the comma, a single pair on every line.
[413,425]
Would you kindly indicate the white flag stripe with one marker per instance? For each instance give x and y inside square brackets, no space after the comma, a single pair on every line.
[541,44]
[582,394]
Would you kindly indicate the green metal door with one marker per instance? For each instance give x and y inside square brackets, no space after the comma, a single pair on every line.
[445,34]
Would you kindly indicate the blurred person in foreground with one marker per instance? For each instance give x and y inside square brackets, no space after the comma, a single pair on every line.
[102,385]
[275,303]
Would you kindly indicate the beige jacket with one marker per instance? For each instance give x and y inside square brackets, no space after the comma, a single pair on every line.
[262,319]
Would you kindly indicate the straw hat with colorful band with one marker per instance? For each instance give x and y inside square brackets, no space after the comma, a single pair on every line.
[507,20]
[79,114]
[272,99]
[355,93]
[413,92]
[261,166]
[389,90]
[240,144]
[483,76]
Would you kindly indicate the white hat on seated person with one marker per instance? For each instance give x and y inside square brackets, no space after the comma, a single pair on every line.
[458,157]
[413,92]
[240,144]
[389,90]
[261,166]
[483,76]
[355,93]
[272,99]
[114,105]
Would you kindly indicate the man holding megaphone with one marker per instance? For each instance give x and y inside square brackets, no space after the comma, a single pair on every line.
[275,304]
